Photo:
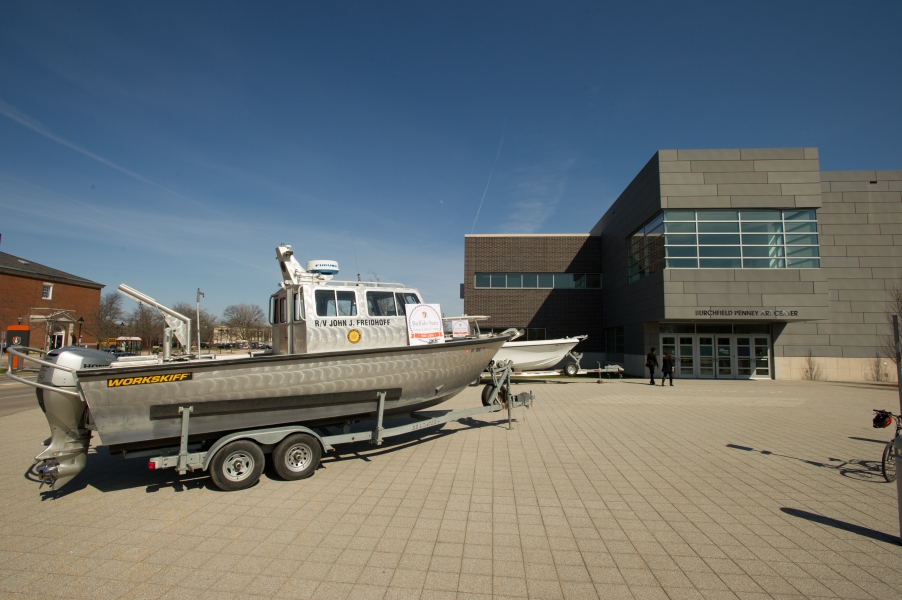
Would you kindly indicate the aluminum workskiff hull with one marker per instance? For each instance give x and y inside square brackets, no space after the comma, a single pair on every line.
[138,406]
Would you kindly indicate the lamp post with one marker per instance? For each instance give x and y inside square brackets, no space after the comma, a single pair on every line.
[81,321]
[200,295]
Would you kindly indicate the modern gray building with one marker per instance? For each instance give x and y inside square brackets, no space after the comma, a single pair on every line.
[743,263]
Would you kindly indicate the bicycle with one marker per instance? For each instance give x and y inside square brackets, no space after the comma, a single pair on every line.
[884,418]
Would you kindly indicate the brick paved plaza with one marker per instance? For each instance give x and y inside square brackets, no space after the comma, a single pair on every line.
[758,489]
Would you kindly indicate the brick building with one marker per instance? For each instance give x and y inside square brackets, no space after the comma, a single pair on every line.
[742,263]
[50,301]
[551,285]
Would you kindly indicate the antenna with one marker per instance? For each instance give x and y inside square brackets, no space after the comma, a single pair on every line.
[355,255]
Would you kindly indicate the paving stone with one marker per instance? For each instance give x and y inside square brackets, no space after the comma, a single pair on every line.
[713,490]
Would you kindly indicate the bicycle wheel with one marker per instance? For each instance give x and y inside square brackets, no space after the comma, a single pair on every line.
[889,462]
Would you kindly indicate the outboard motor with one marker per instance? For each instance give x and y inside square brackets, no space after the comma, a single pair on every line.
[67,415]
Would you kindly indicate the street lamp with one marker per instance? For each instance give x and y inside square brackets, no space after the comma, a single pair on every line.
[200,295]
[81,321]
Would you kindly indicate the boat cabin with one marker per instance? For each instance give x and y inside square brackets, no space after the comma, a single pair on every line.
[314,313]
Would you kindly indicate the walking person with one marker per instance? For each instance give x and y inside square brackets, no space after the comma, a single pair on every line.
[667,368]
[651,361]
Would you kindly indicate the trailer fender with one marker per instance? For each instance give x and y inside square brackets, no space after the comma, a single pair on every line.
[264,437]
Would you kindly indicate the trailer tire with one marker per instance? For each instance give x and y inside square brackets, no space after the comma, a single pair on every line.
[237,465]
[297,456]
[571,369]
[487,395]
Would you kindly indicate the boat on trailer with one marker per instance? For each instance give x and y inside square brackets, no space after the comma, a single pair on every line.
[531,355]
[340,354]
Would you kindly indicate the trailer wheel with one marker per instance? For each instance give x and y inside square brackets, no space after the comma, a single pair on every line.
[571,369]
[297,456]
[237,465]
[487,394]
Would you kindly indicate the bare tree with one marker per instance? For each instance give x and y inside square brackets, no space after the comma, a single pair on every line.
[208,321]
[812,369]
[146,323]
[244,318]
[109,314]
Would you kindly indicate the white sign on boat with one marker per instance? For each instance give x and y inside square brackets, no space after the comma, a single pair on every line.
[424,324]
[460,328]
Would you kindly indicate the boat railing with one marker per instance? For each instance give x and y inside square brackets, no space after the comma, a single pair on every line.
[24,356]
[375,284]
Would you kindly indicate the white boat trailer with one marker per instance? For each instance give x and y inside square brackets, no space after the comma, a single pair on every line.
[572,369]
[186,458]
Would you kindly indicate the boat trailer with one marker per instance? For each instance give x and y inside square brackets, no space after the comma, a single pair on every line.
[496,397]
[236,460]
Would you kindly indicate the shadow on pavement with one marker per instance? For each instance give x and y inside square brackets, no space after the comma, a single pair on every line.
[108,473]
[861,470]
[850,527]
[851,437]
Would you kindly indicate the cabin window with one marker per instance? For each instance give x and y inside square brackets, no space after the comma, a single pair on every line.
[404,298]
[347,304]
[330,303]
[381,304]
[325,303]
[283,312]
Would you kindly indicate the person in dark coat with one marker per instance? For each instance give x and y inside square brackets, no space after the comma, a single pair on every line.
[667,368]
[651,361]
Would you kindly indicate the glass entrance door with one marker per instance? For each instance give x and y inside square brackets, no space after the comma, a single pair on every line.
[743,354]
[705,356]
[762,356]
[752,356]
[724,357]
[686,357]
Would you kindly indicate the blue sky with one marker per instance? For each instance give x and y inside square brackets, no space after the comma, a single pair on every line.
[172,146]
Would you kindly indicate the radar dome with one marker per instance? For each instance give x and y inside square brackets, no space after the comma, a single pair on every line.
[322,267]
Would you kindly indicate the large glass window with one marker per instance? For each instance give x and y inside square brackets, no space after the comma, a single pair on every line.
[404,298]
[331,303]
[582,281]
[380,304]
[725,239]
[646,248]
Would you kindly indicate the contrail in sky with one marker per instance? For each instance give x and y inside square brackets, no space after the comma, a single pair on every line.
[21,118]
[492,170]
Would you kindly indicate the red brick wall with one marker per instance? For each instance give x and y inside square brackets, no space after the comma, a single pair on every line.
[21,297]
[559,312]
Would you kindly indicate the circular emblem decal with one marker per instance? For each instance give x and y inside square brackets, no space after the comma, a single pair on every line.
[354,336]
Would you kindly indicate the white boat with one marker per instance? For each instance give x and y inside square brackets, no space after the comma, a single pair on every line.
[527,355]
[537,354]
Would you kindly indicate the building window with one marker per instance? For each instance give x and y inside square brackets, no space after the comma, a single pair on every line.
[47,291]
[568,281]
[646,249]
[613,343]
[725,239]
[738,328]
